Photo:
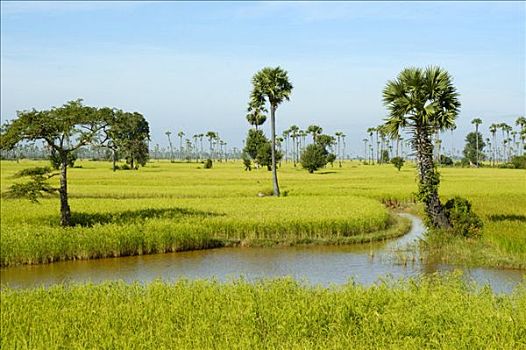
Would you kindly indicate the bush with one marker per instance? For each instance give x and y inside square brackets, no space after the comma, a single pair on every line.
[398,162]
[208,163]
[314,157]
[464,221]
[519,162]
[445,160]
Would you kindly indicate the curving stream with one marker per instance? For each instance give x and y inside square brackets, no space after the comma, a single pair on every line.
[365,263]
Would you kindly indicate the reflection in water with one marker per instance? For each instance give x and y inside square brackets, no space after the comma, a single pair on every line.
[325,265]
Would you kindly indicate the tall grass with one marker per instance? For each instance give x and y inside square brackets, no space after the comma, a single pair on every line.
[427,313]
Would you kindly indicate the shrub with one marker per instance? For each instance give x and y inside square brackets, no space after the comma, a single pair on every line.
[519,162]
[314,157]
[398,162]
[208,164]
[464,221]
[445,160]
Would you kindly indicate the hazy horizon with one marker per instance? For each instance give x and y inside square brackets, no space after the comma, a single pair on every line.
[188,66]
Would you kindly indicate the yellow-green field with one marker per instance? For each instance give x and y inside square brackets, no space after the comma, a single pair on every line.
[175,206]
[431,312]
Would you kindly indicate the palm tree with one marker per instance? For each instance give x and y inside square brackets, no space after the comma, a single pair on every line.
[294,132]
[371,131]
[338,135]
[365,158]
[343,146]
[505,128]
[181,135]
[255,115]
[168,133]
[286,134]
[272,85]
[194,137]
[477,122]
[315,130]
[201,144]
[211,136]
[493,130]
[521,122]
[423,100]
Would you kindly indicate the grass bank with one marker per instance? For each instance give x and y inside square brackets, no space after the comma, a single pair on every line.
[264,315]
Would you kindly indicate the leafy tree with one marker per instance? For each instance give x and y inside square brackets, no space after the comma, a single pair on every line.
[34,188]
[272,85]
[128,135]
[423,101]
[65,129]
[384,156]
[264,155]
[254,140]
[398,162]
[474,148]
[331,157]
[314,157]
[56,162]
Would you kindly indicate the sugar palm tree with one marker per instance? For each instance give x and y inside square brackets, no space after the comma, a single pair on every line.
[315,130]
[371,131]
[272,85]
[365,158]
[338,135]
[256,110]
[211,136]
[180,134]
[521,122]
[168,133]
[477,122]
[423,100]
[493,130]
[294,132]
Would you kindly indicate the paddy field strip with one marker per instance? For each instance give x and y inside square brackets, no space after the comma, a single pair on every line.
[178,206]
[430,312]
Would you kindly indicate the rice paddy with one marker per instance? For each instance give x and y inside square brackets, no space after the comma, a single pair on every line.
[264,315]
[179,206]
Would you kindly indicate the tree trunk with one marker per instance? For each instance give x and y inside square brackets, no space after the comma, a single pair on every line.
[65,212]
[113,159]
[477,141]
[273,136]
[429,180]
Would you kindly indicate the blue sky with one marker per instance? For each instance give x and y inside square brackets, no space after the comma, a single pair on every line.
[187,65]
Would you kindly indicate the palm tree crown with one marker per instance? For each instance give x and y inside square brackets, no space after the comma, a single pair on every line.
[421,99]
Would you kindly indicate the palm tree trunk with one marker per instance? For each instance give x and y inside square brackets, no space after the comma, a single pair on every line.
[65,211]
[429,180]
[273,136]
[477,141]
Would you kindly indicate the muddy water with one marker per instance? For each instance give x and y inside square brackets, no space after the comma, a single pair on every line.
[324,265]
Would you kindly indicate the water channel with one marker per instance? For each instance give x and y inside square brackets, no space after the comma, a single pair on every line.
[325,265]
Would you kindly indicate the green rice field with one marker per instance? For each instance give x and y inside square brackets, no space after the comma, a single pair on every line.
[275,314]
[179,206]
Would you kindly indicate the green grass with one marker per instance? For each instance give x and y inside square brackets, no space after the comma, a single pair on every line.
[281,314]
[176,206]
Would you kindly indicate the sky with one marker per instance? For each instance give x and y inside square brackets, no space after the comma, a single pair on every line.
[188,65]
